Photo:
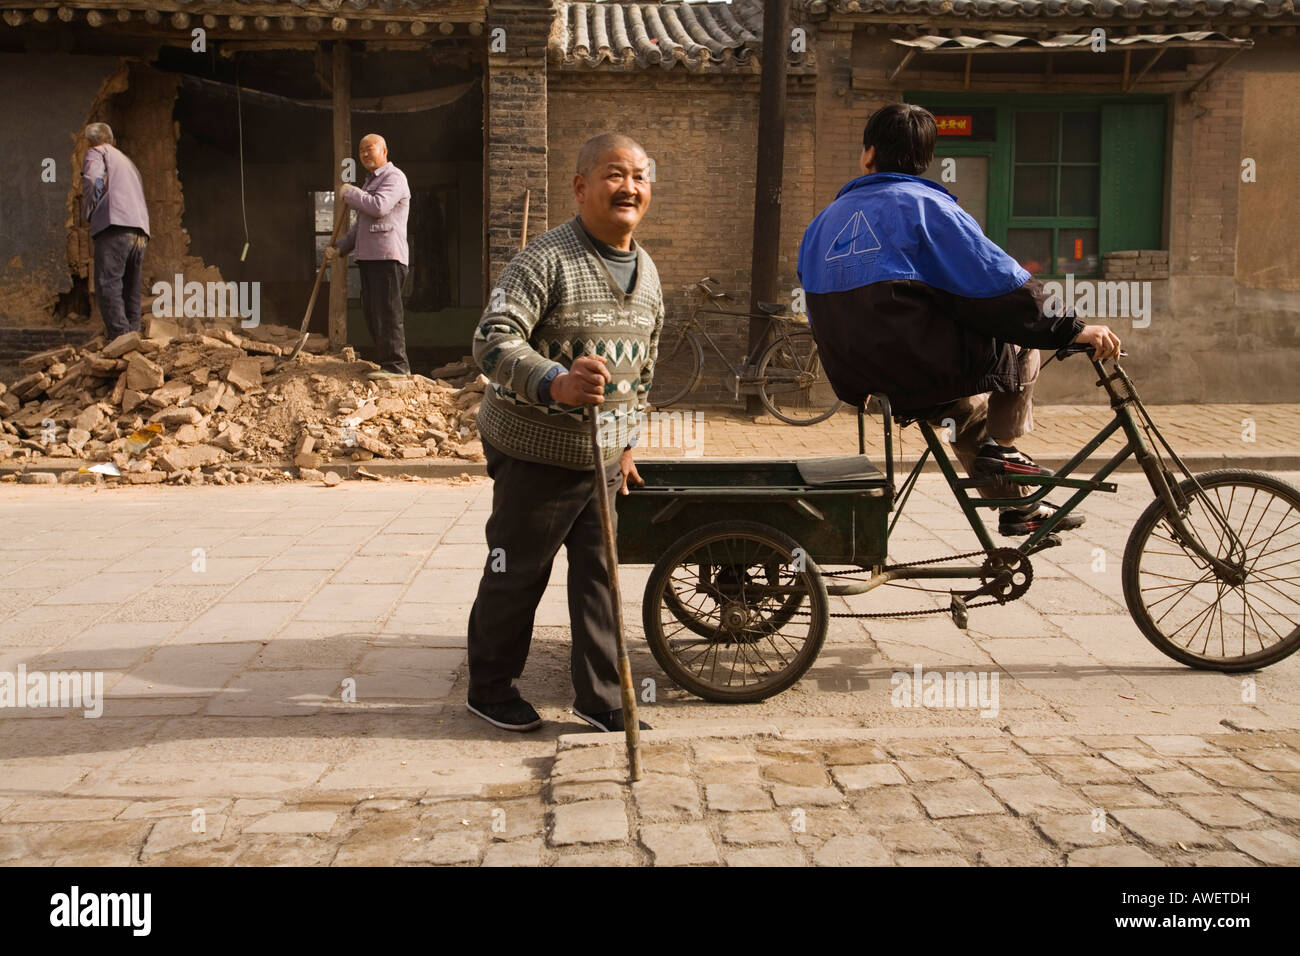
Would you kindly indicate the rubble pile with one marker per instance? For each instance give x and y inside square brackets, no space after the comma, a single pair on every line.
[188,403]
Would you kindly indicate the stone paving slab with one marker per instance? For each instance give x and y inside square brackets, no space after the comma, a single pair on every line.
[310,703]
[673,817]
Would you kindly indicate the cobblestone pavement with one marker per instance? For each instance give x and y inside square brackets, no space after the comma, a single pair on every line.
[1228,432]
[232,626]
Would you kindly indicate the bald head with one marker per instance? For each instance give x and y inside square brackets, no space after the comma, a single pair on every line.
[596,147]
[373,151]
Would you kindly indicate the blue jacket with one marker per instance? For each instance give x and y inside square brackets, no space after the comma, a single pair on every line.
[907,296]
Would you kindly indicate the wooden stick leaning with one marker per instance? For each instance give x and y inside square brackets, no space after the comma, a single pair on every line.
[339,220]
[631,723]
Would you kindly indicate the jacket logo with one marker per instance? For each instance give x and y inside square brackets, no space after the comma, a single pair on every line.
[855,239]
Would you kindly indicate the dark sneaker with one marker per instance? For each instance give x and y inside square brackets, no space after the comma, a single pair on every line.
[515,714]
[1013,522]
[995,459]
[608,720]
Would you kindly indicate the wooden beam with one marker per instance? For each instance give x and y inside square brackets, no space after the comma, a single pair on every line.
[1143,72]
[907,58]
[41,15]
[338,307]
[1128,61]
[965,85]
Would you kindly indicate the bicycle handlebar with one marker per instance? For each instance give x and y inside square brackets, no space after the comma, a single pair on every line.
[1077,348]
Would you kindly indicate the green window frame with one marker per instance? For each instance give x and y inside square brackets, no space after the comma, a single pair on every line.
[1129,184]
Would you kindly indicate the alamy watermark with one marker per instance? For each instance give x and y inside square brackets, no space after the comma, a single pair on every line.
[84,689]
[675,429]
[209,300]
[1100,300]
[952,689]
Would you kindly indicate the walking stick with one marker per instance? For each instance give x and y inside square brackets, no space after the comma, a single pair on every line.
[631,724]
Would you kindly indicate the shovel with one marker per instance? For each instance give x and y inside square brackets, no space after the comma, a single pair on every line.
[631,724]
[339,220]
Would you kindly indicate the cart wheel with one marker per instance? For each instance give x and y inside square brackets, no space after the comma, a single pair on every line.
[721,612]
[1246,519]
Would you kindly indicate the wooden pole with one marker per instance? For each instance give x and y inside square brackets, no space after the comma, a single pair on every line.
[767,178]
[338,321]
[523,233]
[631,723]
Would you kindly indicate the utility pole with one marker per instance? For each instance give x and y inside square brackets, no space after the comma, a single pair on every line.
[767,178]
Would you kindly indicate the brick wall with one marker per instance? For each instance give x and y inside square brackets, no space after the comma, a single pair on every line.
[1206,167]
[701,132]
[515,140]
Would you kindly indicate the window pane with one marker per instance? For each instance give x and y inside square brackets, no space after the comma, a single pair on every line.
[324,208]
[1034,191]
[1081,137]
[1079,190]
[1032,248]
[969,183]
[1077,252]
[1036,137]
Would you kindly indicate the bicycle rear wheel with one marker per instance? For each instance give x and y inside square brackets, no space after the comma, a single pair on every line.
[794,386]
[677,368]
[1247,519]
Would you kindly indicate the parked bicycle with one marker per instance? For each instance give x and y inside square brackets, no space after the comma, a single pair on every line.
[784,371]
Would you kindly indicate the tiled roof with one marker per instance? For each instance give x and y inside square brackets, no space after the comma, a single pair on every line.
[1108,9]
[696,36]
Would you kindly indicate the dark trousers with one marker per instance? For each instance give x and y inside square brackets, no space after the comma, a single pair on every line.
[119,261]
[535,509]
[381,304]
[999,415]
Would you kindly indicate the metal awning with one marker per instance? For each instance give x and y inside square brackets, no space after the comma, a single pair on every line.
[1005,43]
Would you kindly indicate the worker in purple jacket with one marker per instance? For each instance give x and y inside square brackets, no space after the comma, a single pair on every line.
[112,201]
[379,241]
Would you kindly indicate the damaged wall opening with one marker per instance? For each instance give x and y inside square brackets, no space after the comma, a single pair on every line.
[432,121]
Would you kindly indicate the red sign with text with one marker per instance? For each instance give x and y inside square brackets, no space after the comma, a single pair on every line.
[954,125]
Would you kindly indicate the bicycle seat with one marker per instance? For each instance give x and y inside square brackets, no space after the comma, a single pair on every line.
[772,308]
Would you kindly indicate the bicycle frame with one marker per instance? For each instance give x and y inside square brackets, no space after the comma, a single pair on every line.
[1125,402]
[747,361]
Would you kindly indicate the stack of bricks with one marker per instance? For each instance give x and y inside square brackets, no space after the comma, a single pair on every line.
[1136,264]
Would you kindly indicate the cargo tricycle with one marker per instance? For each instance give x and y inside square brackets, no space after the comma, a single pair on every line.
[747,553]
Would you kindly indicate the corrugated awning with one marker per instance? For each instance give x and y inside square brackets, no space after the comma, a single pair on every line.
[1005,43]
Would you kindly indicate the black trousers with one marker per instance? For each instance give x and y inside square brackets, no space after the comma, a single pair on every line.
[119,266]
[381,305]
[535,509]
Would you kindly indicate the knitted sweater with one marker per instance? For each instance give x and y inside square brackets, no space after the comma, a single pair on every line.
[554,302]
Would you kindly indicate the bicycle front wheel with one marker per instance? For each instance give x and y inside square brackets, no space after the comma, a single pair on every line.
[1247,519]
[677,368]
[793,385]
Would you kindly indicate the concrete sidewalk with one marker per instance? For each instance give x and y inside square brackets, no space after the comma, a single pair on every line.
[284,673]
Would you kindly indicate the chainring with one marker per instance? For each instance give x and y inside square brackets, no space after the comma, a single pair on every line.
[1006,575]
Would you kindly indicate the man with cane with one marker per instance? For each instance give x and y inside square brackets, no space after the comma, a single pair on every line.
[570,331]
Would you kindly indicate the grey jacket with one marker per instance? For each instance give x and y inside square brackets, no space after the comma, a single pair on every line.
[112,193]
[382,206]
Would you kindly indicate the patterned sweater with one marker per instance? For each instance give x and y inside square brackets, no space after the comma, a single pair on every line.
[554,302]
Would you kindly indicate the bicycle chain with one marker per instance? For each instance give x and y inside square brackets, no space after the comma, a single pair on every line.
[903,614]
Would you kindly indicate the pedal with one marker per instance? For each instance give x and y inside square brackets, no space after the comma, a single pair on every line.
[960,615]
[1050,541]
